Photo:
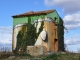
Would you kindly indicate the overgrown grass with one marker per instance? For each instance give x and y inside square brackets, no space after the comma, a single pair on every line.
[68,56]
[56,56]
[63,56]
[4,55]
[50,57]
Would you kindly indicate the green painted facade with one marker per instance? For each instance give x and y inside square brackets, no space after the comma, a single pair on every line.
[19,20]
[22,20]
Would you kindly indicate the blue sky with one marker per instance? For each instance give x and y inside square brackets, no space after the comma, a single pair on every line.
[69,10]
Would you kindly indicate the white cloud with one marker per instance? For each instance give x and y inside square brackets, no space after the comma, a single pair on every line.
[68,6]
[73,48]
[5,35]
[72,43]
[72,40]
[72,21]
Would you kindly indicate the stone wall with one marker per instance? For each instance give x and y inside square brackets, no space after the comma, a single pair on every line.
[36,50]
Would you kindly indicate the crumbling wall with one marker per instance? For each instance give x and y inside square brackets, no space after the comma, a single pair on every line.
[36,50]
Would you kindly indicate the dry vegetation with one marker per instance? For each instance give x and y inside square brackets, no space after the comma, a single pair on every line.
[8,55]
[5,53]
[57,56]
[68,56]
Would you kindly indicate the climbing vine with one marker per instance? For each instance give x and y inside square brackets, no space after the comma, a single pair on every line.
[40,29]
[61,35]
[21,39]
[27,36]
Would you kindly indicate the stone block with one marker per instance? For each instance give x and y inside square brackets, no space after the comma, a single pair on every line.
[36,50]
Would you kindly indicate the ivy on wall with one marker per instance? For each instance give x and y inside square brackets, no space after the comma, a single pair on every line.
[40,29]
[60,35]
[27,36]
[21,39]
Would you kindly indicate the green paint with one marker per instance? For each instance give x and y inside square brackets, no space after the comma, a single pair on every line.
[53,15]
[22,20]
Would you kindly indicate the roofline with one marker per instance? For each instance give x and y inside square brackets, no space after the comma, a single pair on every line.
[32,13]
